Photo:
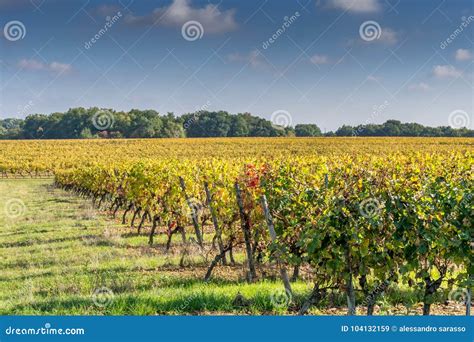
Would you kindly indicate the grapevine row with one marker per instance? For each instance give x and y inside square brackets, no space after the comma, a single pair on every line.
[360,223]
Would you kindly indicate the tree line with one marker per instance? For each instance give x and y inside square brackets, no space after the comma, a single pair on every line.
[81,123]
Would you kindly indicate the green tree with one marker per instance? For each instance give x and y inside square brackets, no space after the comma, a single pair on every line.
[238,127]
[307,130]
[346,131]
[172,127]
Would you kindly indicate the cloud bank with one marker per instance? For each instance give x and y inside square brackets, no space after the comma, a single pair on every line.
[212,18]
[356,6]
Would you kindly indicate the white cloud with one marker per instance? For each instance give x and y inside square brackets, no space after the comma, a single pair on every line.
[33,64]
[372,78]
[180,11]
[420,86]
[60,67]
[389,36]
[446,71]
[254,58]
[319,59]
[356,6]
[463,55]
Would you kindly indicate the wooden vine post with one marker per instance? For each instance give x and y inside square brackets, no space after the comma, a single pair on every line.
[193,212]
[469,296]
[271,229]
[215,223]
[245,223]
[350,293]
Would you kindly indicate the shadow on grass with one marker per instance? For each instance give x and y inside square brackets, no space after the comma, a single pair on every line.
[129,304]
[182,298]
[27,277]
[33,242]
[23,232]
[62,200]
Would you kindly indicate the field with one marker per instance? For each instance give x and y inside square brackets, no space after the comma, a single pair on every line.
[236,226]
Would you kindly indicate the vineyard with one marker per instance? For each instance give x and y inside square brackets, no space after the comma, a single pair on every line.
[356,219]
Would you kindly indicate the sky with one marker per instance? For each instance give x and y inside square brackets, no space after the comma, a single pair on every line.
[329,62]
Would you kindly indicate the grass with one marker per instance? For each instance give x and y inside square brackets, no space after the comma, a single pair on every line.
[58,255]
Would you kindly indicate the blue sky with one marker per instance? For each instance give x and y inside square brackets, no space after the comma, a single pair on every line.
[330,62]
